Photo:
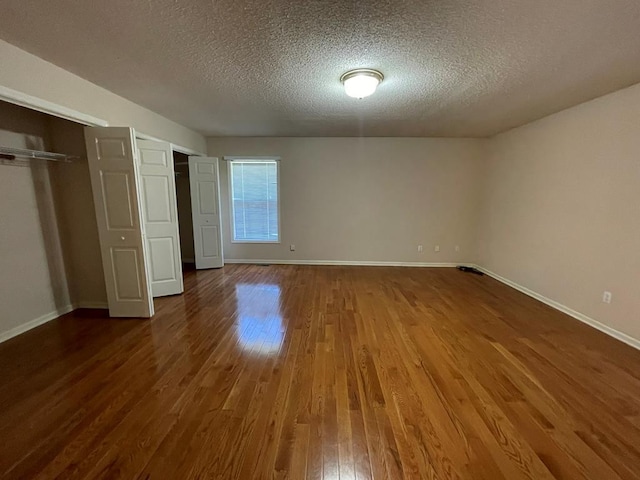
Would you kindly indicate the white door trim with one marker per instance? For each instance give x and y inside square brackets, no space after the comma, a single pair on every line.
[174,147]
[29,101]
[45,106]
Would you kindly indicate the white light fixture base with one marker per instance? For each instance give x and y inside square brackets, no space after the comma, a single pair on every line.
[361,82]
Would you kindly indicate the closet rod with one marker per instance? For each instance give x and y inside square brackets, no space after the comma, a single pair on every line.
[11,153]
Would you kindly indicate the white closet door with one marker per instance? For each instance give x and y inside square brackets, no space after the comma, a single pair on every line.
[160,217]
[115,185]
[205,209]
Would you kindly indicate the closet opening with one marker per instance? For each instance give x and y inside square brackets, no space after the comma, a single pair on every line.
[90,216]
[185,219]
[52,261]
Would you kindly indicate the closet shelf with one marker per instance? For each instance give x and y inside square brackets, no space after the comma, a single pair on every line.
[10,153]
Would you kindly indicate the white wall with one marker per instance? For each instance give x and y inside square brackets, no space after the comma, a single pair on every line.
[365,199]
[562,208]
[34,76]
[33,283]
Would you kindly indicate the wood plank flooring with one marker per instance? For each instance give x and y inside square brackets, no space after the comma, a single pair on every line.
[308,372]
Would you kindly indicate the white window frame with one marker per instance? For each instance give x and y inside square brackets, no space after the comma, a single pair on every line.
[249,159]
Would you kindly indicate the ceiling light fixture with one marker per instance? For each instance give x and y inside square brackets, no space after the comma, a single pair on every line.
[361,82]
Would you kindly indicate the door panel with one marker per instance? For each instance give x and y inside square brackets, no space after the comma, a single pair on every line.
[155,157]
[113,148]
[156,192]
[205,208]
[117,199]
[210,245]
[207,202]
[160,217]
[162,248]
[128,279]
[112,166]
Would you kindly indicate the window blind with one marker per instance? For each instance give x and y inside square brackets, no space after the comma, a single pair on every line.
[254,186]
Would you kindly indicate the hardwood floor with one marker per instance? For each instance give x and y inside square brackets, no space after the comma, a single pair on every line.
[322,372]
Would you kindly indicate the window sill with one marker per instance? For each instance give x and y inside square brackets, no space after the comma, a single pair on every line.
[264,242]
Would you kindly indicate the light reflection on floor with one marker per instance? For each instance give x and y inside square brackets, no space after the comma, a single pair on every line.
[259,327]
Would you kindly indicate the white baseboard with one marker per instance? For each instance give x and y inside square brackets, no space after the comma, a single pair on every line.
[15,331]
[623,337]
[340,262]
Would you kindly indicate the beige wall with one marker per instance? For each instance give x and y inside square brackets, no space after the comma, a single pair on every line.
[562,208]
[365,199]
[34,76]
[32,272]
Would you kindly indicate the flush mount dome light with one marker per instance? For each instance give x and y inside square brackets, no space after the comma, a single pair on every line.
[361,82]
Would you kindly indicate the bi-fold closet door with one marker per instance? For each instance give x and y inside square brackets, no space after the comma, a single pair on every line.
[111,155]
[134,193]
[204,182]
[160,217]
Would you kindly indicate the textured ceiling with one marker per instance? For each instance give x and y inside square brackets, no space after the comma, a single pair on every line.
[271,67]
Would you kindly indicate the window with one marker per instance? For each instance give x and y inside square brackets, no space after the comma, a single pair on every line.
[255,213]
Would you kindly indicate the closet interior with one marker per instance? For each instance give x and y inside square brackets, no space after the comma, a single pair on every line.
[47,219]
[97,217]
[183,197]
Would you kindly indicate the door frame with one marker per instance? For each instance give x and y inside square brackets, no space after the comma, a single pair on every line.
[45,106]
[191,153]
[38,104]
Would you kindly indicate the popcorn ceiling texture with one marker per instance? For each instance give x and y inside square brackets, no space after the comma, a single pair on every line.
[271,67]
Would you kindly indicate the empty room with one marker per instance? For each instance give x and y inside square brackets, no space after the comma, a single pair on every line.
[320,239]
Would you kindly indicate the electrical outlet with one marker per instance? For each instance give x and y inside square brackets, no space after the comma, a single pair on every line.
[292,247]
[606,297]
[420,249]
[437,248]
[457,248]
